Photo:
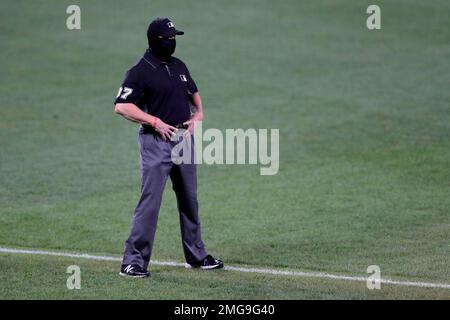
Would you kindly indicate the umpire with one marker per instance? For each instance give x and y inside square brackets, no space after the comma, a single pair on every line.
[156,93]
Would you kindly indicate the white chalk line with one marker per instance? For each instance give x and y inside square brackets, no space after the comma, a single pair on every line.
[234,268]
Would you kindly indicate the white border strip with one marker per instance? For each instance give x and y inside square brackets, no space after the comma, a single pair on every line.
[233,268]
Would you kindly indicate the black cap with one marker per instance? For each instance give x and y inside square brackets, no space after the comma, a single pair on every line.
[162,27]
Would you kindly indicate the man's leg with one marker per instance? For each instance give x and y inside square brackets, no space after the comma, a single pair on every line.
[184,182]
[154,170]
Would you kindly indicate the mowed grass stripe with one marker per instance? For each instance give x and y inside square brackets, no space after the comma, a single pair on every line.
[234,268]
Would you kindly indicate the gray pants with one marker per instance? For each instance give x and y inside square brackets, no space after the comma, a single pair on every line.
[156,165]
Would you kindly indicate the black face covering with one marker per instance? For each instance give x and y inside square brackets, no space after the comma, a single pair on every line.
[162,48]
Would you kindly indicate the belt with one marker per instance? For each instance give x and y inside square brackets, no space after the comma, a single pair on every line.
[181,126]
[145,128]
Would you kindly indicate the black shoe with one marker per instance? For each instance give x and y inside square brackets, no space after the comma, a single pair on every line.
[134,271]
[207,264]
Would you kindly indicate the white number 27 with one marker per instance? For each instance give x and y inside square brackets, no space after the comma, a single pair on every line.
[124,92]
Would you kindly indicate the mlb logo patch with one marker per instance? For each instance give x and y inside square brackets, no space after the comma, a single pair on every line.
[183,78]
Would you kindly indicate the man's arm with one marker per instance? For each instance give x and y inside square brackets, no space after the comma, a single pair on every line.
[198,115]
[197,102]
[131,112]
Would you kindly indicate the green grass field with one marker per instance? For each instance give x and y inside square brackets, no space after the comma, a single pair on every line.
[364,119]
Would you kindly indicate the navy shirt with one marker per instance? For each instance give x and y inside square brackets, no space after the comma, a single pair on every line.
[159,88]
